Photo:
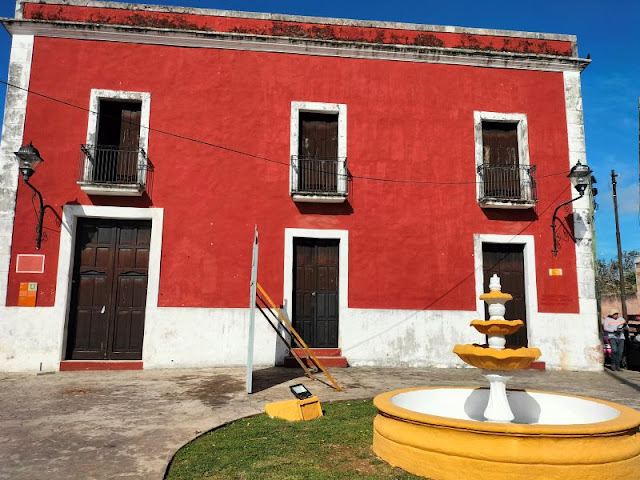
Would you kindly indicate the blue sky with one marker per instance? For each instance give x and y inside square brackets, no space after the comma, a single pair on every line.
[610,85]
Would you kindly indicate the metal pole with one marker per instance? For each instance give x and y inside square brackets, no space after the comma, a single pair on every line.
[252,311]
[623,297]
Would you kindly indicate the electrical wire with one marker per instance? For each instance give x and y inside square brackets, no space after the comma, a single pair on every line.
[254,156]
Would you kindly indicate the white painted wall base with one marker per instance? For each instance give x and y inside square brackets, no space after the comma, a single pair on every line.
[412,338]
[202,337]
[205,337]
[30,337]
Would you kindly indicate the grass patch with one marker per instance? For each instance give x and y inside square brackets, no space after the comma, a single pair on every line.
[334,447]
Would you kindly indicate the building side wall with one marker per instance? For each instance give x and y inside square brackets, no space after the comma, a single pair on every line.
[422,134]
[412,280]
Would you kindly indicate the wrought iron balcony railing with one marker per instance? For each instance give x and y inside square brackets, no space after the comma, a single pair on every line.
[111,165]
[508,184]
[318,176]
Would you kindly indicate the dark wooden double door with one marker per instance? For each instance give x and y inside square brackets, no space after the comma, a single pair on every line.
[501,160]
[507,261]
[106,318]
[318,152]
[116,156]
[315,291]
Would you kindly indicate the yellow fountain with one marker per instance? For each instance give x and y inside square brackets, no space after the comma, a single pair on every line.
[496,357]
[459,433]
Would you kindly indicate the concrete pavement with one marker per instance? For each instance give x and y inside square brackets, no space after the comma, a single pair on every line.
[128,424]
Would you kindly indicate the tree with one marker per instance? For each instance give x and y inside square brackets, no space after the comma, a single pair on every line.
[609,276]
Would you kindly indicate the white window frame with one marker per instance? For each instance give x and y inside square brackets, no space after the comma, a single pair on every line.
[530,285]
[318,107]
[520,119]
[343,269]
[92,137]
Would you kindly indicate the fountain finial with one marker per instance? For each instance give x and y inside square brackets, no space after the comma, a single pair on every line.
[494,283]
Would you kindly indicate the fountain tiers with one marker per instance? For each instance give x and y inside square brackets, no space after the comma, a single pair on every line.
[456,446]
[465,433]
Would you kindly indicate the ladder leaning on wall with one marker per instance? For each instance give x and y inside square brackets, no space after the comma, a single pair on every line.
[260,300]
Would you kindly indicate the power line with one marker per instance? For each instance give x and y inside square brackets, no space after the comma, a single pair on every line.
[252,155]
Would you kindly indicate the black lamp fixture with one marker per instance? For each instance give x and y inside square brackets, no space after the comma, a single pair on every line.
[30,159]
[300,391]
[580,176]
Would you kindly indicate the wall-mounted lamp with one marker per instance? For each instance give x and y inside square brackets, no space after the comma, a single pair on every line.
[29,159]
[580,176]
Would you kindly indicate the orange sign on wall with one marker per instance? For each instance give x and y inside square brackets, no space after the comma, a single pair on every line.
[27,295]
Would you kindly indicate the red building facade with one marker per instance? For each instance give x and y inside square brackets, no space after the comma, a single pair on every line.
[390,169]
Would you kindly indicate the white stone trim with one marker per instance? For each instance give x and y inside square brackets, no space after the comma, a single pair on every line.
[582,218]
[298,46]
[520,119]
[343,274]
[70,214]
[530,285]
[92,134]
[12,134]
[318,107]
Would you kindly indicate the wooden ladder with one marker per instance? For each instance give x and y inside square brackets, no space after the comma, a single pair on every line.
[283,322]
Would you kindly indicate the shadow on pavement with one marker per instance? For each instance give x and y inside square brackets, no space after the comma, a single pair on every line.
[266,378]
[623,380]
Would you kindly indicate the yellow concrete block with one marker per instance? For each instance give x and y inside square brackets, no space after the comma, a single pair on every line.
[295,410]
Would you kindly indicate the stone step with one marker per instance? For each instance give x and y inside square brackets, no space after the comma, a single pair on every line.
[320,352]
[79,365]
[328,357]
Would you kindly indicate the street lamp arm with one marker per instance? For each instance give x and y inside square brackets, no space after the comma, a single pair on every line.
[40,213]
[553,222]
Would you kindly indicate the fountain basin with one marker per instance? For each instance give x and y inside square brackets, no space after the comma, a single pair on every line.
[440,433]
[497,327]
[481,356]
[496,295]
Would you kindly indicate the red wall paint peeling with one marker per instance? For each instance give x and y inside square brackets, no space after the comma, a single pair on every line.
[410,245]
[141,18]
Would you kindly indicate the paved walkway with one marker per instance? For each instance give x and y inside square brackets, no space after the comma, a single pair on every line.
[99,425]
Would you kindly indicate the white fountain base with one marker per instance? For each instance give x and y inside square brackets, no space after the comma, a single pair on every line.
[498,409]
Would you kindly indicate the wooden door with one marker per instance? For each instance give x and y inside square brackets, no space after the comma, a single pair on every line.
[315,291]
[129,143]
[106,319]
[118,142]
[318,152]
[507,260]
[500,155]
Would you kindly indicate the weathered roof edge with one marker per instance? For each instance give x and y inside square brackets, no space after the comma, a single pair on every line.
[301,18]
[308,46]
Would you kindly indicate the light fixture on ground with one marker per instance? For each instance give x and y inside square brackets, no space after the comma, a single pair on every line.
[30,159]
[580,176]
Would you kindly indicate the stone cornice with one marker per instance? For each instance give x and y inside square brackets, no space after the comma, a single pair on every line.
[295,45]
[300,18]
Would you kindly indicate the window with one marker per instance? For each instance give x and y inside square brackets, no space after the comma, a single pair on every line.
[114,159]
[318,152]
[505,178]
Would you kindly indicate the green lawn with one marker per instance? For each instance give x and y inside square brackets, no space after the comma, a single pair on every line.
[337,446]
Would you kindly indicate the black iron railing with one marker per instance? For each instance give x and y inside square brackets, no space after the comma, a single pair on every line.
[112,165]
[319,176]
[508,183]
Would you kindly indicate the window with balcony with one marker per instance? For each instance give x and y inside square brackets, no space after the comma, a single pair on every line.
[114,159]
[505,177]
[318,152]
